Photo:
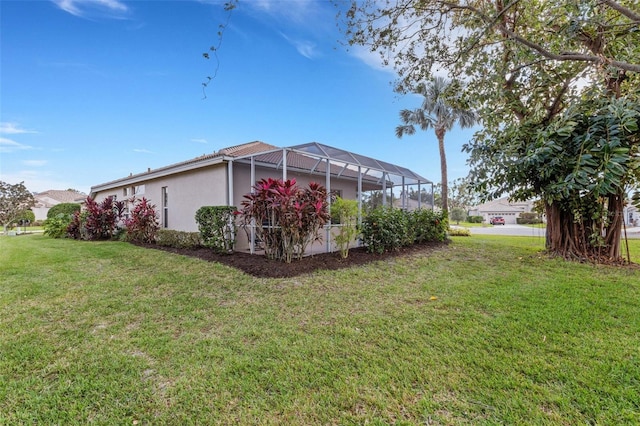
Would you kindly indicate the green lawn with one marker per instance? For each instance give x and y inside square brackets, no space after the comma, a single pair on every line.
[484,331]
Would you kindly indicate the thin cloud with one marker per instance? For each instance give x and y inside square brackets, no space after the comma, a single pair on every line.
[304,47]
[85,8]
[298,11]
[143,151]
[34,163]
[199,140]
[8,145]
[8,128]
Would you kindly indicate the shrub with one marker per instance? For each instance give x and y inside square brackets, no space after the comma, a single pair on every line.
[64,208]
[288,217]
[459,232]
[178,239]
[528,219]
[217,227]
[143,223]
[428,225]
[474,219]
[56,227]
[98,222]
[386,229]
[346,211]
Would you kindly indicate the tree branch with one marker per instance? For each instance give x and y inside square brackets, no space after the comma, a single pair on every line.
[541,50]
[623,10]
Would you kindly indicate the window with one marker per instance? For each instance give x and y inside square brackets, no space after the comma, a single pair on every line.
[165,207]
[125,192]
[138,190]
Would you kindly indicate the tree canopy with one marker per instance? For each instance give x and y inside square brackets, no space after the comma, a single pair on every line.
[556,85]
[14,200]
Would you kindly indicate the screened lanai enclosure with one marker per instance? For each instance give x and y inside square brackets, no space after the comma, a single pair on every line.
[346,174]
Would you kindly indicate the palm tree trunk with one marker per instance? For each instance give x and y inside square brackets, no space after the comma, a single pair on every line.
[443,170]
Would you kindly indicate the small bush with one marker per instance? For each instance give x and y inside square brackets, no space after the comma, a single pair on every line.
[474,219]
[178,239]
[346,213]
[56,226]
[217,227]
[528,219]
[459,232]
[428,225]
[64,208]
[143,223]
[386,229]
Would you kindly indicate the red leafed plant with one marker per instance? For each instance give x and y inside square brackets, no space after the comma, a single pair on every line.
[99,221]
[143,224]
[287,218]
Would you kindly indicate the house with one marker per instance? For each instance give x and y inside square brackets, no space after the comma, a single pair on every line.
[510,211]
[631,215]
[47,199]
[225,176]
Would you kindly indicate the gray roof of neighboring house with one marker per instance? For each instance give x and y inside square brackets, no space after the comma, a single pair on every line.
[52,197]
[308,157]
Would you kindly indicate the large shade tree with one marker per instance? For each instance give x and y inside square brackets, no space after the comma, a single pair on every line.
[556,87]
[15,199]
[439,113]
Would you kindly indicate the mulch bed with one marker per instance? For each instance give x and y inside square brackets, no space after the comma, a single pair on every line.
[261,267]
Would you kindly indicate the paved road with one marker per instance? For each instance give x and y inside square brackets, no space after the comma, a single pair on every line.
[522,230]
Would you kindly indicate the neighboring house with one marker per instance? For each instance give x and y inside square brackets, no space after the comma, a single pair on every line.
[510,211]
[224,177]
[631,215]
[47,199]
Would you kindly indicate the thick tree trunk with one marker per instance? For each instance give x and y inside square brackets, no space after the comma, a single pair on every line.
[443,171]
[586,239]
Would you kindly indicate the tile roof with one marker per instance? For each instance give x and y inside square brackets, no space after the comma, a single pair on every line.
[59,196]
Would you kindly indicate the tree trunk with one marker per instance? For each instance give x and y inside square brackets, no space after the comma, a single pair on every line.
[586,239]
[443,170]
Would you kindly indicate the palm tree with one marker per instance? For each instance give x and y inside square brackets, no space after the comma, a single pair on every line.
[437,112]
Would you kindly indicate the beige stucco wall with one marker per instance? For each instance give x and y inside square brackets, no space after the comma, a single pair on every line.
[187,192]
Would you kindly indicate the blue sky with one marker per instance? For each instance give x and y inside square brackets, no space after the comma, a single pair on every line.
[93,90]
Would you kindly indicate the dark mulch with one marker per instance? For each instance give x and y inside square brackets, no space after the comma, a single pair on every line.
[261,267]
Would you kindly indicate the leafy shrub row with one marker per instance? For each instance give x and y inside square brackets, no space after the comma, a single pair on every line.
[387,229]
[104,220]
[178,239]
[528,219]
[474,219]
[217,227]
[459,232]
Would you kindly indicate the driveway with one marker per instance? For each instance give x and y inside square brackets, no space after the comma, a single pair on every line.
[521,230]
[509,229]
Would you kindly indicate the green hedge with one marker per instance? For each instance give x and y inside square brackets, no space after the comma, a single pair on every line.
[64,208]
[387,229]
[178,239]
[528,219]
[217,227]
[474,219]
